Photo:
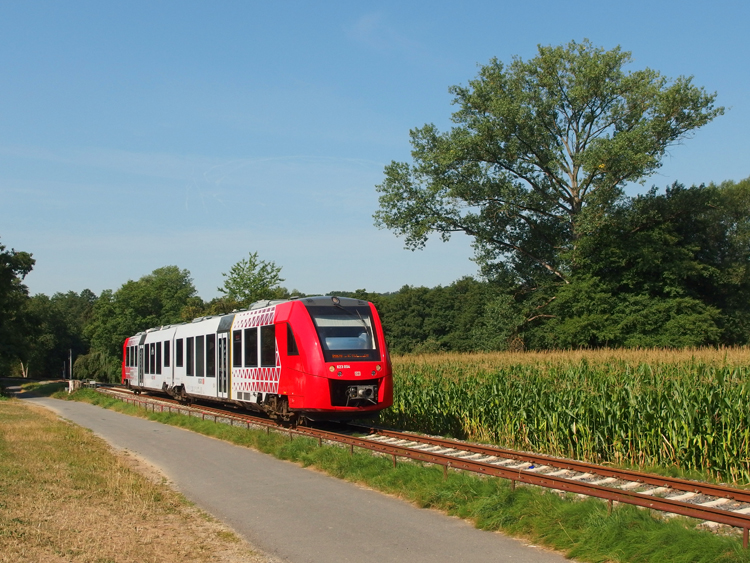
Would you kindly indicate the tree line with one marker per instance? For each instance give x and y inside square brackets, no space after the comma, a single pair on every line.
[666,269]
[38,334]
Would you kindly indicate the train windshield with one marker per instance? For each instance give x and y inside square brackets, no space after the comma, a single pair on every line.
[346,333]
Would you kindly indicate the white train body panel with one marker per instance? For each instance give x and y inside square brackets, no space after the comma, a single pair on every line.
[172,356]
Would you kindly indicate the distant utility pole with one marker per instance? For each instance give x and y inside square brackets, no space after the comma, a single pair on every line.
[70,365]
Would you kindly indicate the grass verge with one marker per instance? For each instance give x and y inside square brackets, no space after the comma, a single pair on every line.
[580,529]
[44,388]
[65,496]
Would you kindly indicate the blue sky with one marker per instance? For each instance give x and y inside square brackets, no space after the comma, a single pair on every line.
[135,135]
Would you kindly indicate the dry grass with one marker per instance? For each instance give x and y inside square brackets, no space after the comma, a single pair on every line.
[484,361]
[66,497]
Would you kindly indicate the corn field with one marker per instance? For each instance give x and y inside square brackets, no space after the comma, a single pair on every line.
[690,409]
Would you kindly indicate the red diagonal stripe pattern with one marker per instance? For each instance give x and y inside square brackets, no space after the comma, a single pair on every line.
[259,380]
[256,317]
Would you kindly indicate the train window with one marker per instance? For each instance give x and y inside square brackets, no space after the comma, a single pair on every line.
[158,357]
[127,357]
[268,346]
[210,355]
[291,343]
[346,333]
[199,356]
[178,353]
[251,347]
[152,358]
[135,356]
[166,353]
[189,356]
[237,349]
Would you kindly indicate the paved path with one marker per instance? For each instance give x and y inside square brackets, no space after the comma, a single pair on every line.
[293,513]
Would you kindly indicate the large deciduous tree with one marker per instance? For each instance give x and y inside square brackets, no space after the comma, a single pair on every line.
[252,279]
[540,152]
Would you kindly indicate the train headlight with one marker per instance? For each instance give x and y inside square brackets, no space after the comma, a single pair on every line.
[331,368]
[377,367]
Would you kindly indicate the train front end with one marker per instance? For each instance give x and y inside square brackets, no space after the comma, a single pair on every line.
[339,366]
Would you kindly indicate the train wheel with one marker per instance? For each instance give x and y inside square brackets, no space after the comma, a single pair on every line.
[182,396]
[290,420]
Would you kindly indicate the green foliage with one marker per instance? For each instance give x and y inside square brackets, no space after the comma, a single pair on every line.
[497,328]
[196,307]
[14,267]
[420,319]
[251,280]
[54,329]
[588,314]
[541,149]
[685,242]
[99,366]
[728,228]
[687,415]
[156,299]
[669,269]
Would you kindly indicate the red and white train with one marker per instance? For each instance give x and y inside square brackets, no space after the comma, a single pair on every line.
[312,357]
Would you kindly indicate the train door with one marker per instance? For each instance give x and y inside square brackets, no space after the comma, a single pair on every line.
[222,352]
[141,360]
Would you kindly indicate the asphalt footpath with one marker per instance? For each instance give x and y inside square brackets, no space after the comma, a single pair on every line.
[296,514]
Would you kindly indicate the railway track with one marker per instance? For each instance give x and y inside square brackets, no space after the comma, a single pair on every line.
[714,504]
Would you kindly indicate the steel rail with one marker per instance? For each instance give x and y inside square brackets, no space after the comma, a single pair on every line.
[552,482]
[675,483]
[130,397]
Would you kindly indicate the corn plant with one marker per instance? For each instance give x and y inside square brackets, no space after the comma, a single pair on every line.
[692,413]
